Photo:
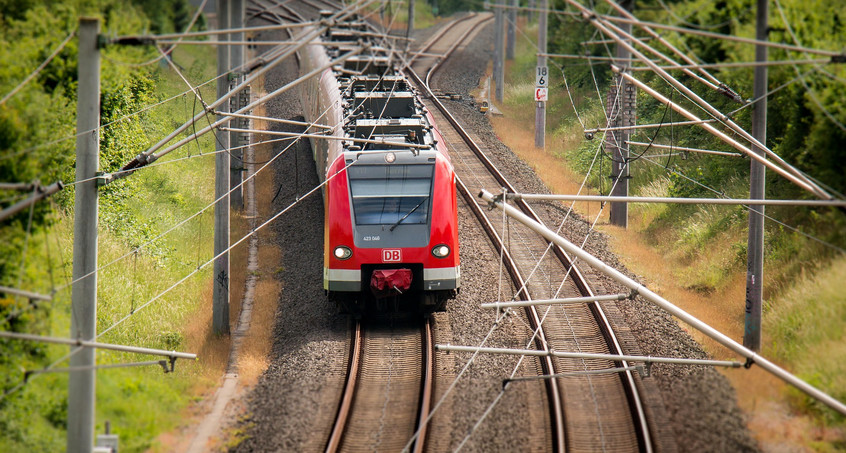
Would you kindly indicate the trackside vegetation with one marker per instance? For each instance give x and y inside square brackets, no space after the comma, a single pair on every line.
[37,127]
[705,246]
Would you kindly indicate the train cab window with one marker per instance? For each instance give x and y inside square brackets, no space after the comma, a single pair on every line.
[387,194]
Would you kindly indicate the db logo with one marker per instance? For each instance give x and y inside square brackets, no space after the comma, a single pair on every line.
[389,255]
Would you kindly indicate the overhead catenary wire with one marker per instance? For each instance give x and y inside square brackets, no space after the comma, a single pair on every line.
[180,36]
[185,220]
[496,323]
[106,125]
[777,45]
[618,35]
[734,143]
[712,81]
[255,230]
[150,155]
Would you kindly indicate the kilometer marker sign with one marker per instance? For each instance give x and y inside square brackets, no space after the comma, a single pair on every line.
[541,90]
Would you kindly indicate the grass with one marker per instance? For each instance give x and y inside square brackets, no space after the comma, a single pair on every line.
[696,256]
[805,326]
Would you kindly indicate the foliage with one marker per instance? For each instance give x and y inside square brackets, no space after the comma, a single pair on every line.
[37,142]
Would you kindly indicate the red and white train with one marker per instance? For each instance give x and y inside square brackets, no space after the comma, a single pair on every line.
[390,226]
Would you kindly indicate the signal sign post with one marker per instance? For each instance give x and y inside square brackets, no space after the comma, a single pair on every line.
[541,79]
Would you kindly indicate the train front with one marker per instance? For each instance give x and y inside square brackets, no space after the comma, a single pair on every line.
[391,217]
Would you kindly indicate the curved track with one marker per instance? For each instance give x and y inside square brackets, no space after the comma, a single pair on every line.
[588,412]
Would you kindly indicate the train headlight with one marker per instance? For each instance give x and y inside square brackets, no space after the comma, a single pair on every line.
[441,251]
[342,252]
[390,158]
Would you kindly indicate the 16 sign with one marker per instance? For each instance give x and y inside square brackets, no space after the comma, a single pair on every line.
[541,91]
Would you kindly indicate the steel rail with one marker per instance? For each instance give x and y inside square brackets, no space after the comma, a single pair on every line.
[557,415]
[627,378]
[432,40]
[427,383]
[455,45]
[556,409]
[342,416]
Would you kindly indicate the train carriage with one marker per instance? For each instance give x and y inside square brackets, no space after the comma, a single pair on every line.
[390,218]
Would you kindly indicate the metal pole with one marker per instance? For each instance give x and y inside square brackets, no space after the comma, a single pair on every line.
[757,177]
[81,384]
[41,193]
[540,111]
[714,201]
[510,35]
[236,61]
[622,106]
[220,298]
[646,293]
[97,345]
[410,28]
[499,65]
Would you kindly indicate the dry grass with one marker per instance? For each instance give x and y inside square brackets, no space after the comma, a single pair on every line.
[253,358]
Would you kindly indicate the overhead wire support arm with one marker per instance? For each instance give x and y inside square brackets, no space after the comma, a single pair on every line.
[97,345]
[167,366]
[708,34]
[801,182]
[151,39]
[652,297]
[684,148]
[147,156]
[588,355]
[717,201]
[26,294]
[712,81]
[796,176]
[40,194]
[646,126]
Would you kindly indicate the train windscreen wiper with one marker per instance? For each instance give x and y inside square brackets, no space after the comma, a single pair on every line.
[408,214]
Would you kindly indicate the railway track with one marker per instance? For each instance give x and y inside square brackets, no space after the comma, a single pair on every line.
[587,411]
[388,392]
[388,379]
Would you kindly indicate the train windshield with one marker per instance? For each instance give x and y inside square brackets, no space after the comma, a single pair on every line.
[388,194]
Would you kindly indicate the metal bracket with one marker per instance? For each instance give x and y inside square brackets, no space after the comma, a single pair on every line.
[103,178]
[838,58]
[168,365]
[749,363]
